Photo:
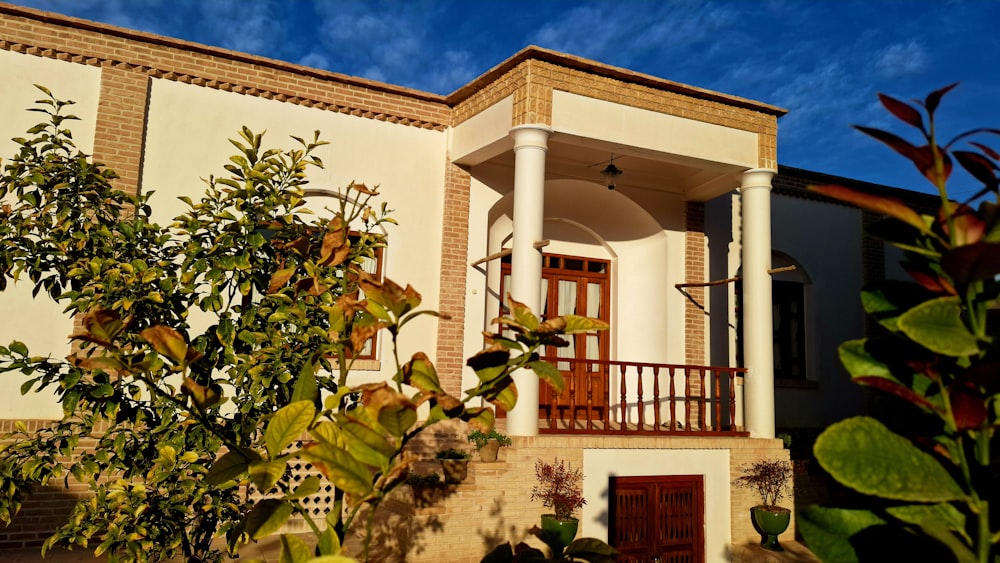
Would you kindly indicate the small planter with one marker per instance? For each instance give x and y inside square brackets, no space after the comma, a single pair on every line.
[427,489]
[561,531]
[455,470]
[488,444]
[770,522]
[490,451]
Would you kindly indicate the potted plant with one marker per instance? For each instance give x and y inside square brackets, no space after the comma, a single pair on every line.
[455,464]
[488,444]
[560,487]
[769,478]
[426,488]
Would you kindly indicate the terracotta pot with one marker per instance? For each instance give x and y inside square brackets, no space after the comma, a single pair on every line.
[455,470]
[561,531]
[770,521]
[490,451]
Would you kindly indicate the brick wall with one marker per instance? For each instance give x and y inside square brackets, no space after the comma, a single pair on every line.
[454,267]
[48,507]
[494,506]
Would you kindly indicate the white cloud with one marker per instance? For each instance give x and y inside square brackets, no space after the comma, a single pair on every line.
[901,59]
[619,33]
[249,27]
[315,60]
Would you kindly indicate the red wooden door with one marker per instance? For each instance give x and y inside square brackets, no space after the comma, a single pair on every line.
[658,517]
[577,286]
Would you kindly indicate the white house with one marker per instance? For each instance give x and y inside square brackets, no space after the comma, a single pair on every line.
[511,184]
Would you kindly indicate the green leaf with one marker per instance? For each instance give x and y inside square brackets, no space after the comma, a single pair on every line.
[859,363]
[308,487]
[523,315]
[863,454]
[592,550]
[548,373]
[366,445]
[398,418]
[329,543]
[345,472]
[942,522]
[231,465]
[937,325]
[294,550]
[264,474]
[828,531]
[18,348]
[287,425]
[420,373]
[305,386]
[889,299]
[267,517]
[576,324]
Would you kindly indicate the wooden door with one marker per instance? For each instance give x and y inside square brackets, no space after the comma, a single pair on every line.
[578,286]
[658,517]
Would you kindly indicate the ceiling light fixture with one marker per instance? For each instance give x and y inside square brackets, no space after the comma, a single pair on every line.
[611,173]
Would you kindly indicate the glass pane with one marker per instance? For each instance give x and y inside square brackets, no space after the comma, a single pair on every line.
[567,298]
[593,341]
[369,265]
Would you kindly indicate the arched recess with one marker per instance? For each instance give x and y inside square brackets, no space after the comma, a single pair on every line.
[588,220]
[793,321]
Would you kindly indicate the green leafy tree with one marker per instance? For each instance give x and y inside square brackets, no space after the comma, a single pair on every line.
[196,428]
[925,468]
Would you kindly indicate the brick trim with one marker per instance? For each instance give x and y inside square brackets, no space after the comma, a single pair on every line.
[454,269]
[120,133]
[694,272]
[70,39]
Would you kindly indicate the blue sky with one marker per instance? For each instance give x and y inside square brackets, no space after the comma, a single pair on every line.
[823,60]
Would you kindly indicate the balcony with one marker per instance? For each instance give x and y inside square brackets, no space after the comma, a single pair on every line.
[636,398]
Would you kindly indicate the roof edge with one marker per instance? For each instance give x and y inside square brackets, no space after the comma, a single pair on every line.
[145,37]
[534,52]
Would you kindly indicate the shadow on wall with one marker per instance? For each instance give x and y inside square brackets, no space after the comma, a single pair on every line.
[44,511]
[398,531]
[502,532]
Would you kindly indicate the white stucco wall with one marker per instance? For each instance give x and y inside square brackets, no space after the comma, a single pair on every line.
[39,322]
[406,163]
[600,465]
[670,135]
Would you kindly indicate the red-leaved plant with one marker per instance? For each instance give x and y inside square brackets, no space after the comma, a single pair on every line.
[559,488]
[925,463]
[769,478]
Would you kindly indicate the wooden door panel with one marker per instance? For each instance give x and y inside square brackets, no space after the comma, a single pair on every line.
[658,516]
[580,286]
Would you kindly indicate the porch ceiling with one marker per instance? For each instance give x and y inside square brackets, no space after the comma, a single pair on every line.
[571,157]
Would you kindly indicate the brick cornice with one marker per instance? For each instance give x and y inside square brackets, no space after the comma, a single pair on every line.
[45,34]
[533,52]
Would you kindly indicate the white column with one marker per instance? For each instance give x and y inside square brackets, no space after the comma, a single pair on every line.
[530,145]
[758,334]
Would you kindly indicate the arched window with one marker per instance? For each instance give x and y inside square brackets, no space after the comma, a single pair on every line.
[789,305]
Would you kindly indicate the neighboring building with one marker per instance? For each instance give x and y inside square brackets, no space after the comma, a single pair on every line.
[478,177]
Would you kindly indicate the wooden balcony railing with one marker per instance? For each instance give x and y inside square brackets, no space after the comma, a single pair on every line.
[614,397]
